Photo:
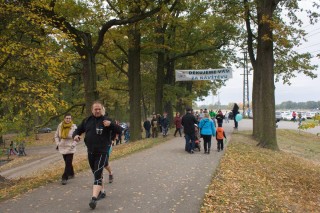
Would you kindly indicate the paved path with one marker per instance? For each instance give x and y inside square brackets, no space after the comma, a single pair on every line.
[162,179]
[46,155]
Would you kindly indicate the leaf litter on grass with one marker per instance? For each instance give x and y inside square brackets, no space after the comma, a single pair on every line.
[253,179]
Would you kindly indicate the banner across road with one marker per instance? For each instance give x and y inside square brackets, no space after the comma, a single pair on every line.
[206,74]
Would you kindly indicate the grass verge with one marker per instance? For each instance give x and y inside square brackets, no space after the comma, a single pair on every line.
[12,188]
[252,179]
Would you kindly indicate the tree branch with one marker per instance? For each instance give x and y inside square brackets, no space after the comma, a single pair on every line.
[117,22]
[191,53]
[121,48]
[173,6]
[5,61]
[119,13]
[250,35]
[57,116]
[114,63]
[119,89]
[53,4]
[61,23]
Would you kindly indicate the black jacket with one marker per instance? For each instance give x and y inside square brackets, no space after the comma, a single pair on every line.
[147,125]
[220,118]
[96,143]
[188,122]
[165,122]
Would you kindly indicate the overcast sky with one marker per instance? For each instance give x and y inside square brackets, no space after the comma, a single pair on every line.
[302,88]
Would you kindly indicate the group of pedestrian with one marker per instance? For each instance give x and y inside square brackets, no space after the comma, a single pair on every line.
[99,131]
[158,124]
[205,121]
[14,151]
[212,114]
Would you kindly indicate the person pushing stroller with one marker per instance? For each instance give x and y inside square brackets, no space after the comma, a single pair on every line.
[197,138]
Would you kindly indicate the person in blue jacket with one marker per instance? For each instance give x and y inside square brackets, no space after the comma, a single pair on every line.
[207,130]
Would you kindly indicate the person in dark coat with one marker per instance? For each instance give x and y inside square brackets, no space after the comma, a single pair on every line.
[165,124]
[147,127]
[188,122]
[98,129]
[235,111]
[177,123]
[220,117]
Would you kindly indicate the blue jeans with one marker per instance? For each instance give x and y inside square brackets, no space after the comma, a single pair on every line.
[189,146]
[147,133]
[164,130]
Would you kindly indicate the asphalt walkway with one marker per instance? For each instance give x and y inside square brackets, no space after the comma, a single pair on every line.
[164,178]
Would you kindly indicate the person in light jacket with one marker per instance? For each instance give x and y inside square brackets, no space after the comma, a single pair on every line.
[207,130]
[66,146]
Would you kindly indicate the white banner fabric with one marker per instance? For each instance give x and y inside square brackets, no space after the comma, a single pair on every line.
[201,75]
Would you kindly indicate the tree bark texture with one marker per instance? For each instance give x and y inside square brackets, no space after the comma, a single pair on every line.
[265,65]
[160,68]
[134,81]
[170,80]
[256,88]
[89,75]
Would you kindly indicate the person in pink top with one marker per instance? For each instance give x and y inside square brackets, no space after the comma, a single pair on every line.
[294,115]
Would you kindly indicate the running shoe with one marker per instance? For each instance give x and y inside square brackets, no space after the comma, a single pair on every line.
[93,203]
[110,178]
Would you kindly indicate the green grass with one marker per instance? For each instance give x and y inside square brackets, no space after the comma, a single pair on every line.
[301,144]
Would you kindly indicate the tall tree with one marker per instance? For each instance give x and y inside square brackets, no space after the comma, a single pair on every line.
[84,41]
[134,37]
[181,38]
[268,22]
[265,68]
[269,42]
[30,71]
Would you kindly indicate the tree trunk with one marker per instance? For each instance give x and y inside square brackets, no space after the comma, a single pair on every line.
[134,81]
[159,84]
[145,108]
[2,140]
[256,88]
[170,81]
[256,103]
[189,85]
[89,74]
[265,63]
[180,106]
[160,68]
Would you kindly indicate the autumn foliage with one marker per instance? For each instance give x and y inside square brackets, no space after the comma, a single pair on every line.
[252,179]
